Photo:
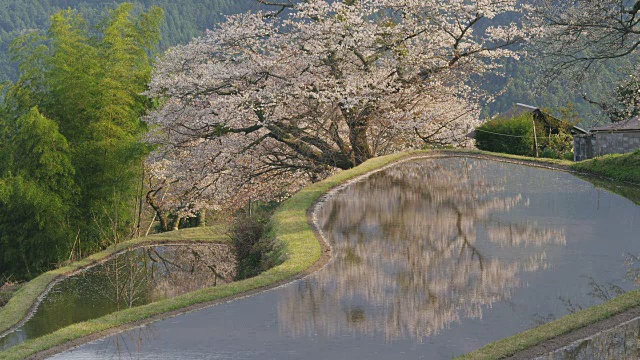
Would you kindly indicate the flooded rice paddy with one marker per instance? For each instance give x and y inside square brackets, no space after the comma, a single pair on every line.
[133,278]
[431,259]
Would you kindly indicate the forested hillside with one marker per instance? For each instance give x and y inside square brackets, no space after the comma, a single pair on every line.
[524,82]
[184,19]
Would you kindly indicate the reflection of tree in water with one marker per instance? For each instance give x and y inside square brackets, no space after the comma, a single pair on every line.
[148,274]
[128,344]
[133,278]
[406,253]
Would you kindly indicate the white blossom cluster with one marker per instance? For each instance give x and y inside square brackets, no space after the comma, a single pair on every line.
[265,99]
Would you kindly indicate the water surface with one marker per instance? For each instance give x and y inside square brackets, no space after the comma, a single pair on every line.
[133,278]
[431,259]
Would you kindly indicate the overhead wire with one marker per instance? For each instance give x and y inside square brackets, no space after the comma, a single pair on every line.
[495,133]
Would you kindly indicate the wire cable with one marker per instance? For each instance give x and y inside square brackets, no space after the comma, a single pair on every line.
[495,133]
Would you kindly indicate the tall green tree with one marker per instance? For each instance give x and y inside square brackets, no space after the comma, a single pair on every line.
[87,81]
[36,195]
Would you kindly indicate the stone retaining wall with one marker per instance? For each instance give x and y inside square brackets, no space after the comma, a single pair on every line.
[602,143]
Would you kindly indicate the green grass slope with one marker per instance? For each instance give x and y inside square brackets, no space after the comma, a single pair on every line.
[619,167]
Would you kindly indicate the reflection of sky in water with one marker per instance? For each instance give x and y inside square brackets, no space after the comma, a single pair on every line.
[133,278]
[432,258]
[441,252]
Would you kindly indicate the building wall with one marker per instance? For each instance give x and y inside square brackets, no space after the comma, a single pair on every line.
[603,143]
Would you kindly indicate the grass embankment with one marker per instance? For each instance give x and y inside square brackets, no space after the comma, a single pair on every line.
[290,226]
[563,164]
[539,334]
[19,305]
[303,250]
[619,167]
[626,190]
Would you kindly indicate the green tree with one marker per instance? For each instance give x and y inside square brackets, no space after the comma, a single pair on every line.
[36,195]
[83,85]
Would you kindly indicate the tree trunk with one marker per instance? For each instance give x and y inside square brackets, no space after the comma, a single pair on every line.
[164,223]
[358,123]
[201,219]
[359,141]
[176,223]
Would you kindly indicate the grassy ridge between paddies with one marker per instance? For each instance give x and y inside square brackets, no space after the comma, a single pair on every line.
[291,228]
[619,167]
[303,249]
[21,302]
[511,345]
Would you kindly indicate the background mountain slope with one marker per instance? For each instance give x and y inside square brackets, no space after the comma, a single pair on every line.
[185,19]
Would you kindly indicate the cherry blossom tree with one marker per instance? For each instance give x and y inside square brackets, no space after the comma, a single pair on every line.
[325,85]
[185,181]
[585,32]
[576,38]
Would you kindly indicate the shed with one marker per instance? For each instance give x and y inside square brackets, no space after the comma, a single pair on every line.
[617,138]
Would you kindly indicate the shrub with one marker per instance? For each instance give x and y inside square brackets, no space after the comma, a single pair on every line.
[549,153]
[254,244]
[568,155]
[516,136]
[557,146]
[511,136]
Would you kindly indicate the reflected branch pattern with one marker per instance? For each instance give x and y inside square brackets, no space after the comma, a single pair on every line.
[133,278]
[414,251]
[149,274]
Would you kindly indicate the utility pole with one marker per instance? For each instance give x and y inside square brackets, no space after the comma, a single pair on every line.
[535,137]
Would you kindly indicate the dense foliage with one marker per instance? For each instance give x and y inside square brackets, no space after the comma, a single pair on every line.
[254,245]
[71,130]
[584,42]
[520,135]
[36,192]
[511,136]
[184,19]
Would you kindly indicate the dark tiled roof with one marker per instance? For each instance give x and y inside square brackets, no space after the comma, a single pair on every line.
[627,125]
[578,130]
[517,110]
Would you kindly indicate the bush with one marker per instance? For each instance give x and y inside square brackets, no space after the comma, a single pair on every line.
[557,145]
[511,136]
[516,136]
[254,244]
[549,154]
[568,156]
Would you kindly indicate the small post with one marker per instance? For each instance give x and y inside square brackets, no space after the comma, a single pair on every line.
[535,137]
